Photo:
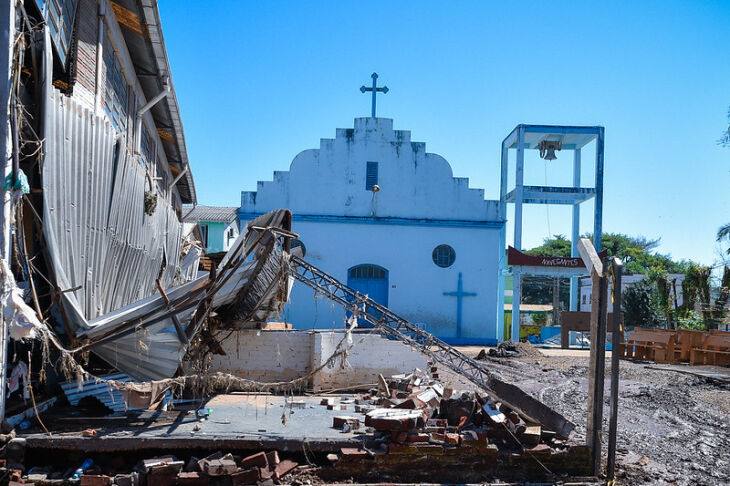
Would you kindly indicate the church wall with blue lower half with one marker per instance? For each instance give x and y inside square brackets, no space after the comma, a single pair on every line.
[405,242]
[415,284]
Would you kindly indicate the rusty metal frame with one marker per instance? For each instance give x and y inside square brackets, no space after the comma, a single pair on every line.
[395,327]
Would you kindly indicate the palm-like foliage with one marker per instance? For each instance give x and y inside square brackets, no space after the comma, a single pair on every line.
[724,232]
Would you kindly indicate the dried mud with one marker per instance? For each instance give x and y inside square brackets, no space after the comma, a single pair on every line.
[672,428]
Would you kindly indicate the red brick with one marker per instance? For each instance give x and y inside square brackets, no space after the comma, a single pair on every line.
[418,438]
[437,437]
[220,467]
[339,422]
[192,479]
[414,448]
[541,449]
[272,458]
[451,438]
[458,451]
[283,468]
[399,437]
[87,480]
[166,479]
[411,403]
[266,472]
[480,447]
[249,476]
[256,460]
[353,453]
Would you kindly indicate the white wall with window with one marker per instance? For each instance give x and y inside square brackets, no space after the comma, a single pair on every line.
[378,212]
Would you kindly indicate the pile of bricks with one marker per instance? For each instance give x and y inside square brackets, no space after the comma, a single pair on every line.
[217,469]
[414,414]
[416,429]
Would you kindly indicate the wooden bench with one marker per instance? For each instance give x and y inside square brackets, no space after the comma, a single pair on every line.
[686,340]
[715,350]
[650,345]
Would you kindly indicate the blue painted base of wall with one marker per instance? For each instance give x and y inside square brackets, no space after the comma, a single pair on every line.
[454,341]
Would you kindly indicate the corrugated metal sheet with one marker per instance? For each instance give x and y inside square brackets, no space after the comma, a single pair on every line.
[105,393]
[102,391]
[131,340]
[106,252]
[101,242]
[217,214]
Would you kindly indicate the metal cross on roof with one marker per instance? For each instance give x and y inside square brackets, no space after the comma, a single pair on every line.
[374,89]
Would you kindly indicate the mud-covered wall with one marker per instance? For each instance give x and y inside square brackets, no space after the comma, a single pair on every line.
[270,356]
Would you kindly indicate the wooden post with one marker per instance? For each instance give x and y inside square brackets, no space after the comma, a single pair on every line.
[597,363]
[616,338]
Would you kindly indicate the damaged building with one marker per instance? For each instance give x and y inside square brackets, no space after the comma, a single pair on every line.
[108,295]
[99,174]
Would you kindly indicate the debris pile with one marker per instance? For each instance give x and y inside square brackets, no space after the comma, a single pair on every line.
[414,415]
[510,349]
[261,468]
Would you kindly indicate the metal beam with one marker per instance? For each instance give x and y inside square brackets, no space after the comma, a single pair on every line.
[598,218]
[575,233]
[393,326]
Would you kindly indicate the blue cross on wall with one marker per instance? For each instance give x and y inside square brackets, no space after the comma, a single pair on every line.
[374,89]
[459,294]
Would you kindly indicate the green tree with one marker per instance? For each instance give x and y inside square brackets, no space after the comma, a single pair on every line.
[637,305]
[636,252]
[555,246]
[662,299]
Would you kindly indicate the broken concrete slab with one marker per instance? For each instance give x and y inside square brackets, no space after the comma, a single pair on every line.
[394,419]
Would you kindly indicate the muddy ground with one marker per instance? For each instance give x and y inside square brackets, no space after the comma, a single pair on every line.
[673,428]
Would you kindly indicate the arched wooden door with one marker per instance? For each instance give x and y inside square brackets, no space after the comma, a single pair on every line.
[371,280]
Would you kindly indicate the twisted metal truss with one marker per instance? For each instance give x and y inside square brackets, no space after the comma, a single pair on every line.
[395,327]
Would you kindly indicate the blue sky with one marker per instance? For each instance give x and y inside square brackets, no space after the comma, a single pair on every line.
[258,82]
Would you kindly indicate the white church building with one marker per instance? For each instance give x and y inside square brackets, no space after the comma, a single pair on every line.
[377,211]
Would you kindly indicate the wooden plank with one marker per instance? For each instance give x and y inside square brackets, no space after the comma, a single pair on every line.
[127,18]
[590,258]
[165,135]
[597,363]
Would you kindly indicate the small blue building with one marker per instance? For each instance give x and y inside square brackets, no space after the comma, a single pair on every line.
[377,211]
[218,226]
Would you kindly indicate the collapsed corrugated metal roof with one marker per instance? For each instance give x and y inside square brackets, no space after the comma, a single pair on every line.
[213,214]
[114,246]
[148,339]
[106,252]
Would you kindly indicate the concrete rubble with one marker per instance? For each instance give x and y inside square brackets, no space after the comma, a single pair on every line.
[216,469]
[413,419]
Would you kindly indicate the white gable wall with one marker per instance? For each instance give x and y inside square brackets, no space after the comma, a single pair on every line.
[420,205]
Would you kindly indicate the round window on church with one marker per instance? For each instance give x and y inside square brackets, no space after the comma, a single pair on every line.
[443,256]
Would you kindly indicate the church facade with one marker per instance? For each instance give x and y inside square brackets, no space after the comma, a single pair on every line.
[377,211]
